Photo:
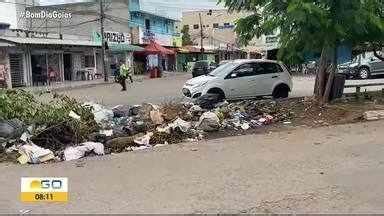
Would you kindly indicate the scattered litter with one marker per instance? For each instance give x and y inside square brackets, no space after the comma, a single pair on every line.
[122,111]
[102,115]
[374,115]
[181,125]
[74,153]
[156,117]
[107,133]
[245,126]
[195,109]
[139,148]
[11,129]
[208,101]
[74,115]
[144,140]
[209,122]
[192,140]
[31,153]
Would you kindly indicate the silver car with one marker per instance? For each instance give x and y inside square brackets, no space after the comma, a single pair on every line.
[363,66]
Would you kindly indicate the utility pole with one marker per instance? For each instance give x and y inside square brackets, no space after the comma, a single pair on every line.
[201,35]
[102,15]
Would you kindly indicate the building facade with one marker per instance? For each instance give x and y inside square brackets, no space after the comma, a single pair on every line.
[218,28]
[47,60]
[11,12]
[148,25]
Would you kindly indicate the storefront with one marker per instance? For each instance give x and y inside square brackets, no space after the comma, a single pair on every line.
[155,56]
[119,48]
[5,80]
[44,61]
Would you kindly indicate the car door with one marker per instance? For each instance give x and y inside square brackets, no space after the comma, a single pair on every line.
[267,75]
[377,66]
[239,82]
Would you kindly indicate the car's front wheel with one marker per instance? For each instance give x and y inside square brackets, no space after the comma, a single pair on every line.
[364,73]
[280,92]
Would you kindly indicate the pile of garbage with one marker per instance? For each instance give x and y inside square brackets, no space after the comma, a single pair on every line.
[67,130]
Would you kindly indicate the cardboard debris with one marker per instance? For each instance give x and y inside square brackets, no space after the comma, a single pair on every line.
[374,115]
[31,153]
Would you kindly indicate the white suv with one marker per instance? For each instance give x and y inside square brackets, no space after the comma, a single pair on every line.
[242,79]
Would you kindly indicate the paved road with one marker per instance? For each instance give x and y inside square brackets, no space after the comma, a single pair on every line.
[327,170]
[166,89]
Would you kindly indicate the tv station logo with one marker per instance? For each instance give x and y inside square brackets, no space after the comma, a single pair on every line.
[44,189]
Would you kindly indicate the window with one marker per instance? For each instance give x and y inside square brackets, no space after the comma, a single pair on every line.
[227,24]
[207,26]
[215,25]
[245,70]
[147,24]
[267,68]
[196,26]
[186,27]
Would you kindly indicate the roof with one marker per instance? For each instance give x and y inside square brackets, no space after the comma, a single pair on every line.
[48,41]
[124,47]
[156,48]
[6,44]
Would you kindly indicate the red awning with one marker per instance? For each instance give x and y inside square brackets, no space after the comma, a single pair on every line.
[155,48]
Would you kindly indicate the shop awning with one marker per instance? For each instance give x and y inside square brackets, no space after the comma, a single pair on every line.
[155,48]
[6,44]
[124,48]
[48,41]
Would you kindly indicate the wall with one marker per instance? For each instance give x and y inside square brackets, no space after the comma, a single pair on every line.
[157,24]
[216,36]
[11,12]
[221,35]
[82,13]
[8,13]
[134,5]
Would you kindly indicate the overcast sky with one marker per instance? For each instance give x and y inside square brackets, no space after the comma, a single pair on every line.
[170,8]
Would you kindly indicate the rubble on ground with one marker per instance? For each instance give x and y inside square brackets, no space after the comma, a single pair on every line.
[64,130]
[374,115]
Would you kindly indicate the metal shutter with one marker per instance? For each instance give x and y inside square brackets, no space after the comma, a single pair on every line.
[17,73]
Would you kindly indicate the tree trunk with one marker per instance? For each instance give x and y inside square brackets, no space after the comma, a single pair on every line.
[331,77]
[321,75]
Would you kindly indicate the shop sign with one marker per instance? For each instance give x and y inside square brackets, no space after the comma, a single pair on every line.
[147,36]
[112,37]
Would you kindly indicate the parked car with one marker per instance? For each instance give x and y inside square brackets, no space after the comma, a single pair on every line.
[202,68]
[242,79]
[362,66]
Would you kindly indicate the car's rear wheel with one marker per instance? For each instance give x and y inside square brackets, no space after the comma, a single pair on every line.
[280,92]
[364,73]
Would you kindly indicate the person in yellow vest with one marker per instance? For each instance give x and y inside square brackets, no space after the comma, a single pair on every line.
[125,72]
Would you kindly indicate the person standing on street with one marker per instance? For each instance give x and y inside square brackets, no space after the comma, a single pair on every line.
[125,72]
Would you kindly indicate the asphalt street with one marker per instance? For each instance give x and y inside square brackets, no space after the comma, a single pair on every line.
[169,89]
[336,169]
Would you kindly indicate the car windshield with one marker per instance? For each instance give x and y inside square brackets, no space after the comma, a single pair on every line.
[223,69]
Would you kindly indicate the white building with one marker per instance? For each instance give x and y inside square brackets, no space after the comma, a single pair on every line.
[11,10]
